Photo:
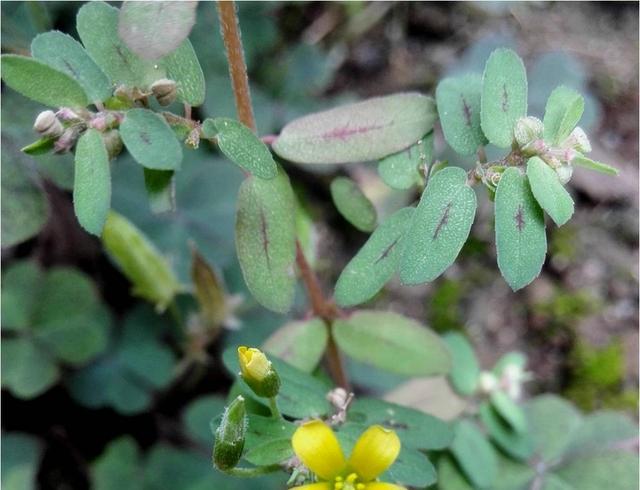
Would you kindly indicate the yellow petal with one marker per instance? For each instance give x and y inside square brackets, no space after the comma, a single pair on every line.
[379,485]
[317,447]
[314,486]
[253,363]
[376,450]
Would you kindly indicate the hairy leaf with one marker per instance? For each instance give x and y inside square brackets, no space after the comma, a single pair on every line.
[603,168]
[375,263]
[40,82]
[183,67]
[363,131]
[465,369]
[474,454]
[562,113]
[352,204]
[548,191]
[458,102]
[402,170]
[521,242]
[160,190]
[300,343]
[265,239]
[504,96]
[439,227]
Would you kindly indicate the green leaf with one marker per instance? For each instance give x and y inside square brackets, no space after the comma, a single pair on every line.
[22,281]
[198,415]
[265,240]
[183,67]
[152,29]
[517,445]
[504,96]
[603,168]
[117,466]
[26,371]
[64,53]
[465,369]
[352,204]
[614,471]
[402,170]
[509,411]
[40,82]
[510,358]
[548,191]
[600,432]
[450,476]
[150,140]
[458,102]
[300,343]
[521,242]
[474,454]
[375,263]
[140,261]
[562,113]
[268,441]
[392,342]
[20,459]
[243,147]
[92,182]
[39,147]
[439,227]
[160,188]
[363,131]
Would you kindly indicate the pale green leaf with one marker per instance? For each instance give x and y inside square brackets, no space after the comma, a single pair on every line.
[562,113]
[521,242]
[450,476]
[183,67]
[600,432]
[26,370]
[392,342]
[160,187]
[375,263]
[548,191]
[265,239]
[439,227]
[352,204]
[465,369]
[474,454]
[92,182]
[21,283]
[402,170]
[612,471]
[363,131]
[300,343]
[21,455]
[517,445]
[42,83]
[504,96]
[117,467]
[603,168]
[198,415]
[268,440]
[509,411]
[458,102]
[64,53]
[150,140]
[244,148]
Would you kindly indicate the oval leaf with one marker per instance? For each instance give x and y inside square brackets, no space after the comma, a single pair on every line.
[402,170]
[64,53]
[352,204]
[363,131]
[439,227]
[154,29]
[548,191]
[509,411]
[42,83]
[516,445]
[474,454]
[466,368]
[392,342]
[458,102]
[92,182]
[300,343]
[183,67]
[265,240]
[521,242]
[504,96]
[375,263]
[603,168]
[561,114]
[150,140]
[243,147]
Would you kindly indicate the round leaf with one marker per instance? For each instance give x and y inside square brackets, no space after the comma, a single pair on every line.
[299,343]
[548,191]
[26,370]
[352,204]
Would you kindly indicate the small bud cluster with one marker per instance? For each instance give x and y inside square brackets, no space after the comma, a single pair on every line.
[510,381]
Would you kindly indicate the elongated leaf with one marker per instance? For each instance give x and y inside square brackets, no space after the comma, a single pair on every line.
[42,83]
[150,140]
[364,131]
[299,343]
[458,102]
[548,191]
[465,369]
[516,445]
[603,168]
[509,411]
[265,239]
[155,29]
[352,204]
[392,342]
[562,113]
[401,170]
[160,190]
[439,227]
[504,96]
[521,242]
[243,147]
[474,454]
[39,147]
[375,263]
[92,182]
[64,53]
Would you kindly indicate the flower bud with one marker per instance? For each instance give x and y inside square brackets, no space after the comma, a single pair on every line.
[164,90]
[258,372]
[527,130]
[112,142]
[578,140]
[487,382]
[47,124]
[564,171]
[230,434]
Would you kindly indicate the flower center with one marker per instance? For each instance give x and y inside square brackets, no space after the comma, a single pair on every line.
[348,483]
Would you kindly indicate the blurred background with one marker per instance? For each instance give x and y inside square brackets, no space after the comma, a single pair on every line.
[114,422]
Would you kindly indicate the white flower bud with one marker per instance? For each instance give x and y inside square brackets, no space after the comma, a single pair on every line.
[164,90]
[527,130]
[564,171]
[579,141]
[487,382]
[47,124]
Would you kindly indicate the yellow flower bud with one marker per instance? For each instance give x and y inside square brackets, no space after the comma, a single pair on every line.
[257,372]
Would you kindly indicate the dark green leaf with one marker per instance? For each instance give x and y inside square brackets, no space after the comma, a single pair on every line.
[352,204]
[402,170]
[562,114]
[117,467]
[300,343]
[465,369]
[160,190]
[39,147]
[474,454]
[603,168]
[20,459]
[26,371]
[268,441]
[548,191]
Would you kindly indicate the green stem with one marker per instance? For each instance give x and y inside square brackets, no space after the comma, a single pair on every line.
[273,406]
[252,472]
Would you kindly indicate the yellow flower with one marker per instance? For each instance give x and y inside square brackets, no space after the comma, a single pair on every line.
[257,372]
[318,448]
